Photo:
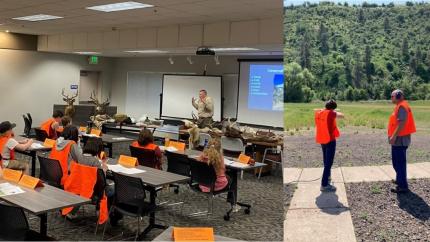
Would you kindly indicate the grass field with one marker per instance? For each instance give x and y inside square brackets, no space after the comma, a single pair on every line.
[372,114]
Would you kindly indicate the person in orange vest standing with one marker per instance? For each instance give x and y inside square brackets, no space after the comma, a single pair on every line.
[326,134]
[400,127]
[51,125]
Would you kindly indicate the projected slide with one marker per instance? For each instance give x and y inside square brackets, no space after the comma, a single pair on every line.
[265,89]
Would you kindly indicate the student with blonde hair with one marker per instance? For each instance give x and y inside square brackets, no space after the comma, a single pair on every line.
[212,155]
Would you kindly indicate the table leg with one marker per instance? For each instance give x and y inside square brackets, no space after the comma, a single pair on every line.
[233,176]
[33,163]
[43,224]
[110,150]
[152,224]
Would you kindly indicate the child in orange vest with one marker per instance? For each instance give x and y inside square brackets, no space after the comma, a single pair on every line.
[51,125]
[146,141]
[67,149]
[326,134]
[8,145]
[212,155]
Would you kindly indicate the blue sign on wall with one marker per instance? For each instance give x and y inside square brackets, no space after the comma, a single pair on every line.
[73,87]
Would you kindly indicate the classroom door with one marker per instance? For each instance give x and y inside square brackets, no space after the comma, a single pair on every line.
[88,83]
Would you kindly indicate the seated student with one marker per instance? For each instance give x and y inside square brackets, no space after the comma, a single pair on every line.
[212,155]
[66,121]
[8,145]
[67,149]
[91,157]
[51,125]
[146,141]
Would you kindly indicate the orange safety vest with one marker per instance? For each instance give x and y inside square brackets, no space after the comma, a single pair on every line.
[149,146]
[322,133]
[3,141]
[81,182]
[47,127]
[63,157]
[409,126]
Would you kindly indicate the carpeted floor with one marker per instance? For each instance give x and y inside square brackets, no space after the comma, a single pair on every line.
[265,222]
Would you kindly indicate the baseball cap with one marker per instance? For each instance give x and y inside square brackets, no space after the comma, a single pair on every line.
[6,126]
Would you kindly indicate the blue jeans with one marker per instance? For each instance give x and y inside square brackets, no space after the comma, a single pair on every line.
[398,156]
[328,150]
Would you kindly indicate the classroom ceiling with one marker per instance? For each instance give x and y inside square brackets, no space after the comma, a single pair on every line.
[166,12]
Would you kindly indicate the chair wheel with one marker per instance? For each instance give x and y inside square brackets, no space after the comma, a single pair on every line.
[226,217]
[247,211]
[176,191]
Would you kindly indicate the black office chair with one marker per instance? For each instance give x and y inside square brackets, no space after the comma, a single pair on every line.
[98,192]
[14,225]
[50,171]
[30,119]
[145,157]
[178,164]
[129,199]
[41,135]
[204,174]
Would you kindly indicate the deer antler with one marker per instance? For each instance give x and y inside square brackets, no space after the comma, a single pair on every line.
[94,99]
[64,95]
[106,103]
[76,95]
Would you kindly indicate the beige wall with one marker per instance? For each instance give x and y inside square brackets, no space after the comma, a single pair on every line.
[18,41]
[32,82]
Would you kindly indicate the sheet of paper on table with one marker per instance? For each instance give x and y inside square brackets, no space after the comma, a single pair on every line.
[234,163]
[120,138]
[90,135]
[9,189]
[37,146]
[125,170]
[170,149]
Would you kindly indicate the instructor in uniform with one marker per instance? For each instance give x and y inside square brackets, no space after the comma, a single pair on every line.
[205,109]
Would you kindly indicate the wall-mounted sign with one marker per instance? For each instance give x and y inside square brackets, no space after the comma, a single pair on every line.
[73,87]
[93,60]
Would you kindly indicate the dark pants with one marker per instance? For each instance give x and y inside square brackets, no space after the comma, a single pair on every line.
[398,156]
[328,150]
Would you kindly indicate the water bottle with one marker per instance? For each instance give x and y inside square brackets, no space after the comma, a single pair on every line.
[206,143]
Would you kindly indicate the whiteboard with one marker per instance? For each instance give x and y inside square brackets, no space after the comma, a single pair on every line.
[179,89]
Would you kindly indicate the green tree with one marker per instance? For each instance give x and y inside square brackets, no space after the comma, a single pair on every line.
[405,50]
[305,60]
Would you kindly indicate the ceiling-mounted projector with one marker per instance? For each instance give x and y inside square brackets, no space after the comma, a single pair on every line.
[203,50]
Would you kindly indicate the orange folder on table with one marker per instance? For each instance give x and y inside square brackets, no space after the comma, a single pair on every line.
[12,175]
[83,129]
[193,234]
[127,160]
[244,159]
[30,182]
[49,143]
[178,145]
[97,132]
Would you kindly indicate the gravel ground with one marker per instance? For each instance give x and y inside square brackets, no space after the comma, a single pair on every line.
[288,195]
[379,215]
[357,146]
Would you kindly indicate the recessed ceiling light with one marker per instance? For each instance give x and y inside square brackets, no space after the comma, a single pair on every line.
[38,17]
[119,6]
[235,49]
[87,53]
[147,51]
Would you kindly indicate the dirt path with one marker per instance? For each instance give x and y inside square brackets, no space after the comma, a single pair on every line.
[357,146]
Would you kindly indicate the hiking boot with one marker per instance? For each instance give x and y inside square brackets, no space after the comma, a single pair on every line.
[399,190]
[328,188]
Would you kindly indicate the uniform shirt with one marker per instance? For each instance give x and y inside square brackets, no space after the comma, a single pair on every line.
[204,109]
[5,153]
[405,140]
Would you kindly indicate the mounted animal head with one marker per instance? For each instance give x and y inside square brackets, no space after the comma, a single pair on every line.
[100,107]
[69,99]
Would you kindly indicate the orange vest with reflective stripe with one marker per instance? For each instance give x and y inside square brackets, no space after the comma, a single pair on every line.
[81,182]
[3,141]
[62,156]
[149,146]
[47,127]
[409,126]
[321,125]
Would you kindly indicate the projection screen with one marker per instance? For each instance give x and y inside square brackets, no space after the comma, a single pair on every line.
[179,89]
[261,93]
